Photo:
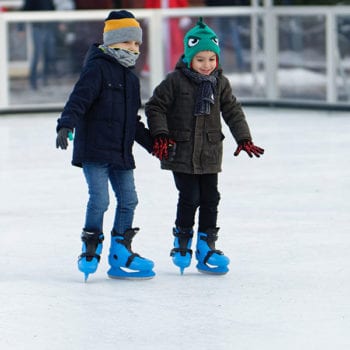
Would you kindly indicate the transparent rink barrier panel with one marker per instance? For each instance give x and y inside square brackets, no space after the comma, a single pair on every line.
[343,58]
[46,74]
[46,58]
[60,59]
[300,54]
[242,53]
[302,57]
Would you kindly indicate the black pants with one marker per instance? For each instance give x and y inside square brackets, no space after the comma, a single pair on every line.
[197,191]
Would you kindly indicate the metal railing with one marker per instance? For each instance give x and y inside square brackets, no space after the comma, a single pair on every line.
[314,73]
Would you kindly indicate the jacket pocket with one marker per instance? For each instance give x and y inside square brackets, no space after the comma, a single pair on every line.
[113,93]
[212,152]
[183,147]
[114,86]
[215,136]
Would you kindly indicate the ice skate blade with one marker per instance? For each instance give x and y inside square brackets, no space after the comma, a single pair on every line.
[127,274]
[182,269]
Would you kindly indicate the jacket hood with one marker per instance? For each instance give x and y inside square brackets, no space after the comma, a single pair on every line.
[94,53]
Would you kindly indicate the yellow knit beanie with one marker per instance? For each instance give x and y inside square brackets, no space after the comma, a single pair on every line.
[121,26]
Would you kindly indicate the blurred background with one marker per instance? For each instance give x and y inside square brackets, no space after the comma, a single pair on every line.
[274,52]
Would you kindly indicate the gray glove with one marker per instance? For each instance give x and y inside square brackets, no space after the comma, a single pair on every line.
[62,138]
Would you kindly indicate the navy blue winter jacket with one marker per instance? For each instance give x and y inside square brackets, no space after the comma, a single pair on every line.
[103,110]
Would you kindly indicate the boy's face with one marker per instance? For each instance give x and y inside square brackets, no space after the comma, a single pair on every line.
[131,45]
[204,62]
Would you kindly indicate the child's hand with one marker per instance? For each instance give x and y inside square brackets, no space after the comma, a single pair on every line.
[164,147]
[62,138]
[250,148]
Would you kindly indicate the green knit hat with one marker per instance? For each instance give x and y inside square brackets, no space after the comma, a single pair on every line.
[200,38]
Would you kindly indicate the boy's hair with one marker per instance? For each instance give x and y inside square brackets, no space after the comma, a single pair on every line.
[121,26]
[200,38]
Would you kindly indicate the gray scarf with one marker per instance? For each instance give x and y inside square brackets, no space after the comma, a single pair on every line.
[124,57]
[206,90]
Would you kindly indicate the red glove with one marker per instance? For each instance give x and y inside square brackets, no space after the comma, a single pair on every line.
[164,147]
[250,148]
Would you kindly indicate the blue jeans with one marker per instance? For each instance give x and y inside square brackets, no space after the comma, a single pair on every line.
[97,176]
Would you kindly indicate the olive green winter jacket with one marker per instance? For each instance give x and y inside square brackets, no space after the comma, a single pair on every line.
[198,139]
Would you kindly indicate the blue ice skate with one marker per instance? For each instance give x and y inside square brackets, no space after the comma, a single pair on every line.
[210,260]
[126,264]
[91,251]
[182,253]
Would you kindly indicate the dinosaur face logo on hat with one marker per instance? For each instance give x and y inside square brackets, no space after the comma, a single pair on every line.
[193,41]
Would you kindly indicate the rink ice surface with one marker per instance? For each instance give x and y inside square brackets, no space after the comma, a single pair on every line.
[284,223]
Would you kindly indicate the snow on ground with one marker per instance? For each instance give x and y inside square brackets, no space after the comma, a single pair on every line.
[284,223]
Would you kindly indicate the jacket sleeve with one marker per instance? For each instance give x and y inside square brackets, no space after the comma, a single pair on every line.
[233,114]
[143,136]
[84,93]
[157,107]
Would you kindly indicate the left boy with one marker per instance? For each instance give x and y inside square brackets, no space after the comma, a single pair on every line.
[102,111]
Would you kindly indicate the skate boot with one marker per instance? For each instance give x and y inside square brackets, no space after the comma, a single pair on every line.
[126,264]
[91,251]
[182,253]
[210,260]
